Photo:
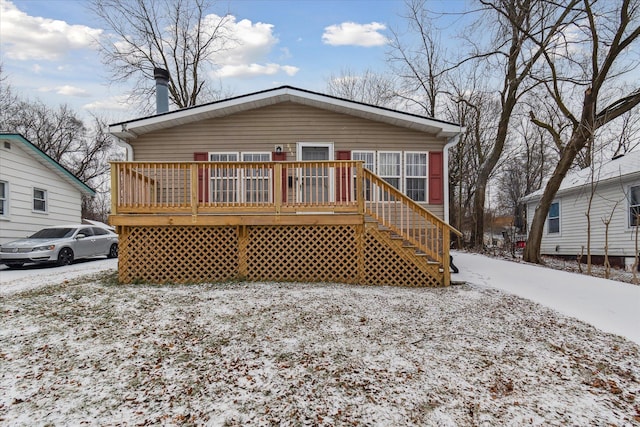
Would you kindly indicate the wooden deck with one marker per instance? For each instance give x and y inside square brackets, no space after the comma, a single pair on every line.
[274,221]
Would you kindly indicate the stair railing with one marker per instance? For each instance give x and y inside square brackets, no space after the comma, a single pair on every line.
[403,216]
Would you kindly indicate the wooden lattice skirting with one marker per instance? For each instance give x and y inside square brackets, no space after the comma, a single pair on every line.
[357,254]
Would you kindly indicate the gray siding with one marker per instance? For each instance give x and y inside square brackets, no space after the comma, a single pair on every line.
[22,172]
[608,198]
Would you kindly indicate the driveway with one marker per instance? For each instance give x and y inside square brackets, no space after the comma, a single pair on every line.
[35,276]
[609,305]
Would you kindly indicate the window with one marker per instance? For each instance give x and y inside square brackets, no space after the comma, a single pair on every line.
[415,172]
[389,167]
[634,206]
[256,179]
[39,200]
[368,157]
[224,181]
[97,231]
[4,199]
[553,219]
[234,185]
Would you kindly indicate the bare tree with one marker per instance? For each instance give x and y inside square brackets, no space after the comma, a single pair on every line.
[628,133]
[607,221]
[368,87]
[177,35]
[417,58]
[511,60]
[529,161]
[83,150]
[471,105]
[608,37]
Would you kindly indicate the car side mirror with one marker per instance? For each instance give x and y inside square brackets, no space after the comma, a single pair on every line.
[80,236]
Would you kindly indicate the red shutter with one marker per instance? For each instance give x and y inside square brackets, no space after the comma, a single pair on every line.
[343,178]
[281,157]
[203,179]
[436,179]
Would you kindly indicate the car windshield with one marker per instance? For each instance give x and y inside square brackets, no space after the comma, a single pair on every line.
[53,233]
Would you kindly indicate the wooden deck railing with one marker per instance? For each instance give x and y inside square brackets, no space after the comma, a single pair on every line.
[223,187]
[408,219]
[207,188]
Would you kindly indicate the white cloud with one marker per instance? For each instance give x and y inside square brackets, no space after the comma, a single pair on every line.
[66,90]
[351,33]
[117,103]
[71,91]
[246,52]
[252,70]
[25,37]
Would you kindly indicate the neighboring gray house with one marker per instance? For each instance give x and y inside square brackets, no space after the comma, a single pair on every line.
[35,190]
[616,195]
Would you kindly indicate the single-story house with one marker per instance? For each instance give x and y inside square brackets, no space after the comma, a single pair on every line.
[295,156]
[615,187]
[35,190]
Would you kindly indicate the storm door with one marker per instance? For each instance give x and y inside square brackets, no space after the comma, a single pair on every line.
[315,179]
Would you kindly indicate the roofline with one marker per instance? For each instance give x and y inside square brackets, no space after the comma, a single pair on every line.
[451,128]
[535,195]
[74,180]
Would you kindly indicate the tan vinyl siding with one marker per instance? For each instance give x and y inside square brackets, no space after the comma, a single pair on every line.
[284,124]
[280,124]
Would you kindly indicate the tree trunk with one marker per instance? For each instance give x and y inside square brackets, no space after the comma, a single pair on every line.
[581,136]
[477,236]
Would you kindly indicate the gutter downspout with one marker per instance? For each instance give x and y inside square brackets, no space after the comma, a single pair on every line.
[453,141]
[126,146]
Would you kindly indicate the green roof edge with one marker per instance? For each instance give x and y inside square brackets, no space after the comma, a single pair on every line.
[18,137]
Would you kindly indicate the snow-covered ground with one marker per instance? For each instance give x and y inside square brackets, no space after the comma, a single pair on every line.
[606,304]
[77,349]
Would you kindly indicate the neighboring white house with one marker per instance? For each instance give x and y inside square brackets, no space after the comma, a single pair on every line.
[616,196]
[35,190]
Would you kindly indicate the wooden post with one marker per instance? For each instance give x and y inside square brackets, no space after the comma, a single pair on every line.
[445,255]
[194,192]
[115,190]
[243,245]
[361,229]
[360,187]
[277,187]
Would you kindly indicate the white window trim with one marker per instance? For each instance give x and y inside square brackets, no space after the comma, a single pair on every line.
[239,178]
[236,153]
[400,177]
[5,215]
[546,222]
[243,179]
[426,176]
[332,179]
[33,200]
[372,196]
[260,153]
[374,156]
[299,146]
[212,179]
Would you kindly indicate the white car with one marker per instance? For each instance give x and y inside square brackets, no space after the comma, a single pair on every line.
[60,245]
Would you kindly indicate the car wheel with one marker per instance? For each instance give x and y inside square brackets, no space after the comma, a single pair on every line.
[15,265]
[65,257]
[113,251]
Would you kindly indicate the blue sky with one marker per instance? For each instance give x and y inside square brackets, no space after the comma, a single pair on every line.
[47,53]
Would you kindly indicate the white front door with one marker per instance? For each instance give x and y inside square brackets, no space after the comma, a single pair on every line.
[316,184]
